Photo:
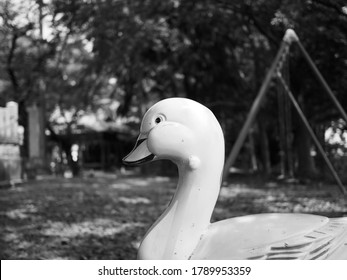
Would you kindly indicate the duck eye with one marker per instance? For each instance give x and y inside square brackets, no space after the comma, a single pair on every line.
[159,119]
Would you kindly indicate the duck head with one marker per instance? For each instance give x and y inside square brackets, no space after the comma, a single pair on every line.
[177,129]
[187,133]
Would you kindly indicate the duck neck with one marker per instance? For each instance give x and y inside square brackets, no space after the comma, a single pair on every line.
[177,232]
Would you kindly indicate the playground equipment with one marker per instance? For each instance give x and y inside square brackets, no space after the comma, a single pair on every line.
[275,71]
[188,134]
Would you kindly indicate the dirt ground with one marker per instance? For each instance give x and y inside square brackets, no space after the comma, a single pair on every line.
[106,217]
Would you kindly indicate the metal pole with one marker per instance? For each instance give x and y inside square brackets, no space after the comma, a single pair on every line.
[284,48]
[315,139]
[288,118]
[282,129]
[322,80]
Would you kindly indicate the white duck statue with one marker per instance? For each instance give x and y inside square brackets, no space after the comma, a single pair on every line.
[187,133]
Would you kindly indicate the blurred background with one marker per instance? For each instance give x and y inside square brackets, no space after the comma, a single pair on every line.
[77,76]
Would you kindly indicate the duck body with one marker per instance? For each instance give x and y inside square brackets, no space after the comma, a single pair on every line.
[188,134]
[275,237]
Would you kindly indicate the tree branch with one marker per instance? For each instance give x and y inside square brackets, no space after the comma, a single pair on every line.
[257,25]
[332,6]
[9,67]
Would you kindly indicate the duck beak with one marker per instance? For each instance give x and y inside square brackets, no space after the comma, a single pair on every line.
[140,154]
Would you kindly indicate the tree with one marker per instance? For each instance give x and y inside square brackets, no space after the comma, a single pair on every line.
[137,52]
[47,63]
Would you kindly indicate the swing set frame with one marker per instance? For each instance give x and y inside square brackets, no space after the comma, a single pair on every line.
[289,38]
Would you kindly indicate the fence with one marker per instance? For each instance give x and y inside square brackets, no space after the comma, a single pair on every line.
[10,140]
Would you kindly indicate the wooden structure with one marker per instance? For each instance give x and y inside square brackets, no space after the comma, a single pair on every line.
[91,149]
[102,150]
[10,140]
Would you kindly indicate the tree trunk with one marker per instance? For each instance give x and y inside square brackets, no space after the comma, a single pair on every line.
[254,163]
[320,163]
[73,165]
[305,163]
[65,142]
[264,147]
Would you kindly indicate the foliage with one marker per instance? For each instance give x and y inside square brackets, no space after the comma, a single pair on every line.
[69,55]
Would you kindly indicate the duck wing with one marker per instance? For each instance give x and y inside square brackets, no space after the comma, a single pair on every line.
[326,242]
[275,236]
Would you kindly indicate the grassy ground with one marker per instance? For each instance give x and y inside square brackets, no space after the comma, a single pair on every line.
[106,217]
